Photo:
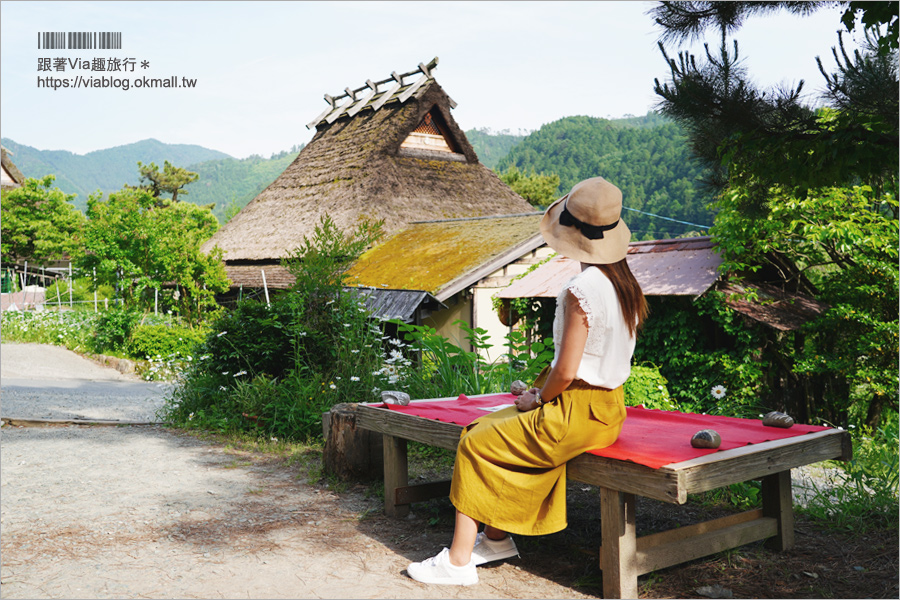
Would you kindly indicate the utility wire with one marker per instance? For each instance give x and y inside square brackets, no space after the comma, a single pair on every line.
[667,218]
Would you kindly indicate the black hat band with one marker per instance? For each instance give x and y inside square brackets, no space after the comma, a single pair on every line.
[591,232]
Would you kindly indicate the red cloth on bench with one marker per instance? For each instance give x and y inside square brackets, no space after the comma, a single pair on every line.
[653,438]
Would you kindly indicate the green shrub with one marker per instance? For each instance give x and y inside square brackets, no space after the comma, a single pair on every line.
[72,329]
[448,370]
[647,387]
[864,494]
[82,293]
[274,368]
[158,341]
[113,329]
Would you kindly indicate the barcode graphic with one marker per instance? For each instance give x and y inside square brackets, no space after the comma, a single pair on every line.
[80,40]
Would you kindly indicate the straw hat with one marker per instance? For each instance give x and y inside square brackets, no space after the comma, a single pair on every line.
[584,225]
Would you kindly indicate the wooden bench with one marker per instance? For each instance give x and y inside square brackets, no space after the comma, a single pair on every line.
[623,555]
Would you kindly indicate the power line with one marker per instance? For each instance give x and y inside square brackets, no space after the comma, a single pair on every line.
[667,218]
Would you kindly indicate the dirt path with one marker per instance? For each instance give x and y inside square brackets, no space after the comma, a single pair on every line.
[146,512]
[135,512]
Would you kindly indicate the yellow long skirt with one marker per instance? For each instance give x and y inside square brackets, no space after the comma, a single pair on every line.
[510,470]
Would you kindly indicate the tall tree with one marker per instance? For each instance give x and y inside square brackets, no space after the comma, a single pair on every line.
[170,181]
[816,186]
[138,243]
[769,135]
[38,223]
[538,189]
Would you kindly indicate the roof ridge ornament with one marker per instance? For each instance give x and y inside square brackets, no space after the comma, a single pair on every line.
[378,93]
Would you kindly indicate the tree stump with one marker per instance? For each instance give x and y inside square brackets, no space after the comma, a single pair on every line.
[351,453]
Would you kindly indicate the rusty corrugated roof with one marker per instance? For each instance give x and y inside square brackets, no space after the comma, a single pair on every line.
[684,267]
[443,257]
[777,308]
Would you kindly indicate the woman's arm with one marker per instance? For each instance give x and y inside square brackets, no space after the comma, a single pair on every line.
[575,332]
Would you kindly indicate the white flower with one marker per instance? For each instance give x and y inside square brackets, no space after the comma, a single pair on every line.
[395,341]
[718,391]
[191,417]
[396,354]
[225,372]
[354,378]
[221,334]
[239,373]
[223,388]
[274,439]
[354,351]
[332,386]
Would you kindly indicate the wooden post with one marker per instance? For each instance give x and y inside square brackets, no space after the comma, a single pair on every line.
[396,474]
[265,287]
[619,543]
[778,504]
[71,283]
[351,453]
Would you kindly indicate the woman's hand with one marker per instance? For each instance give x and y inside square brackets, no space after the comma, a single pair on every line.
[528,400]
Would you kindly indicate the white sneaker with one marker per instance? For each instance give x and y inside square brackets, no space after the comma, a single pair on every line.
[439,569]
[487,550]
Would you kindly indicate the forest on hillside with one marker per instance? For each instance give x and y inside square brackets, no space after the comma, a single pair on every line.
[646,156]
[648,160]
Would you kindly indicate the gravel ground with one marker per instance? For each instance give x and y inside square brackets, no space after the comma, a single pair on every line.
[49,382]
[146,512]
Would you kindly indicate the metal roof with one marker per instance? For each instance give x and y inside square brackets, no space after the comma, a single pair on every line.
[683,267]
[777,308]
[375,94]
[397,304]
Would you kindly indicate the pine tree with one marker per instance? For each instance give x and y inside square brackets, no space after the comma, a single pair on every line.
[769,137]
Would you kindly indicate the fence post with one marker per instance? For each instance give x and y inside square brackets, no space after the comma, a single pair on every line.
[265,287]
[156,301]
[58,302]
[95,289]
[71,283]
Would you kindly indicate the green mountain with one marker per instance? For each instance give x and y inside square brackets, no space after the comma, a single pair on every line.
[646,157]
[105,170]
[231,184]
[227,182]
[491,147]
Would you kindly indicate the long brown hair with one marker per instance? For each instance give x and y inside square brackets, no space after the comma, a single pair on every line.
[631,297]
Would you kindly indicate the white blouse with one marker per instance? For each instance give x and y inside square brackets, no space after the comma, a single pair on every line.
[609,347]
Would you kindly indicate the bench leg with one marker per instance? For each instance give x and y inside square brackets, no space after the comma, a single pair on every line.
[778,504]
[396,475]
[618,558]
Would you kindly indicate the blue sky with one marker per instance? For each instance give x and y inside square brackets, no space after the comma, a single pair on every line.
[262,67]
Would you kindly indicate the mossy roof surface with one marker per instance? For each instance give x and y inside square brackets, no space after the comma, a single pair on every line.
[429,256]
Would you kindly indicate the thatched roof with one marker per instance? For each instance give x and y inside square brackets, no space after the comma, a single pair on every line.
[402,160]
[10,176]
[444,257]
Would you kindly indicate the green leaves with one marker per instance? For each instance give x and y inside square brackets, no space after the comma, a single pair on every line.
[539,189]
[139,244]
[38,223]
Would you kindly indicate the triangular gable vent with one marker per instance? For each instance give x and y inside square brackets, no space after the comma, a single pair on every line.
[429,135]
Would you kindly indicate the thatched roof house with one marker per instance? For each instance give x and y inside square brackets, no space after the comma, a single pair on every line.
[389,150]
[10,176]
